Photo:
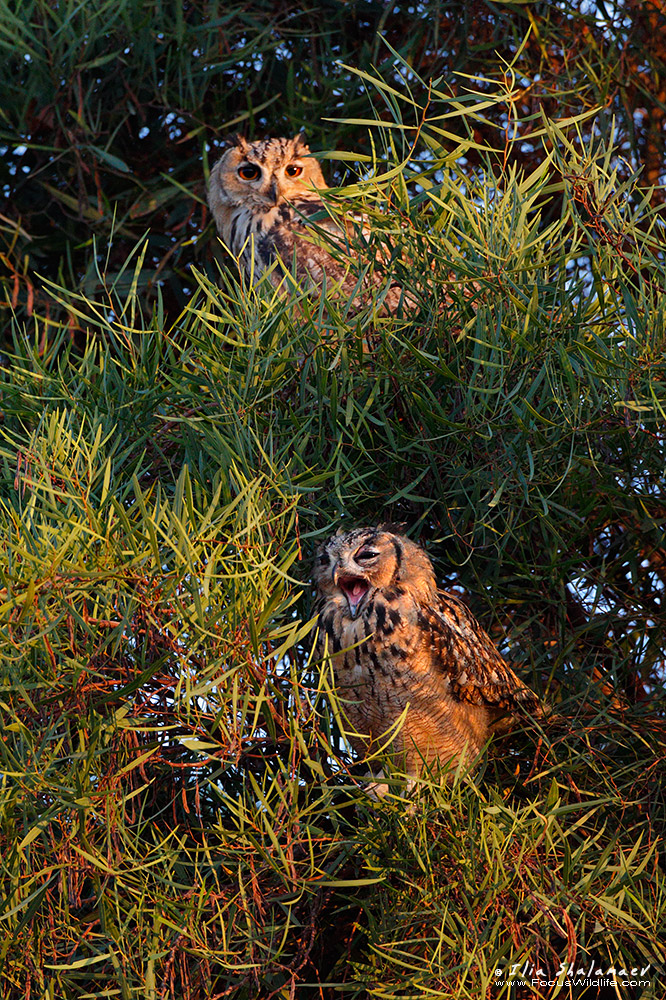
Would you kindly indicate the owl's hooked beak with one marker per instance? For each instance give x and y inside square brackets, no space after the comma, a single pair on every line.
[273,191]
[353,587]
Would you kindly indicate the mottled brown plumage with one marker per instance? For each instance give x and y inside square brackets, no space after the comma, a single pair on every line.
[265,199]
[396,641]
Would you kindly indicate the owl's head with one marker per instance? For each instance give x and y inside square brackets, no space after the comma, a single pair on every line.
[264,173]
[352,566]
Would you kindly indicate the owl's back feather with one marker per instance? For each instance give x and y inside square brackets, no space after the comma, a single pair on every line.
[477,671]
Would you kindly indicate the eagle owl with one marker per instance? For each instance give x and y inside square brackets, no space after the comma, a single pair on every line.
[265,199]
[397,642]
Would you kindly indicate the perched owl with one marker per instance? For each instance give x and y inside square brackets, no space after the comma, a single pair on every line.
[265,199]
[397,642]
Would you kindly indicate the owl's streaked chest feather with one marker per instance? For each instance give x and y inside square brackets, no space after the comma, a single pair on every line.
[259,238]
[376,640]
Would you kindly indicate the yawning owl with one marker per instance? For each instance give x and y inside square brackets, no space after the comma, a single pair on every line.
[397,642]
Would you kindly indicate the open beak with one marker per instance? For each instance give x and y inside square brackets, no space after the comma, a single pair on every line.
[353,587]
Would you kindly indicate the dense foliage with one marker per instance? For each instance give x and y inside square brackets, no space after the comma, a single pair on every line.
[180,816]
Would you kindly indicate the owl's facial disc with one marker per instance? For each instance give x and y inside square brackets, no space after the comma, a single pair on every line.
[354,588]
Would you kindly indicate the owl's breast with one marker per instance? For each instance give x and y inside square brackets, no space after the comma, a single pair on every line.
[373,658]
[386,663]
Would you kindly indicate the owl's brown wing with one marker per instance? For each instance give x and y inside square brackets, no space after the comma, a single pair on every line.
[464,652]
[325,252]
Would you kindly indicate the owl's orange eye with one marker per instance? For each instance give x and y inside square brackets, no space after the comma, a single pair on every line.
[365,554]
[293,170]
[249,171]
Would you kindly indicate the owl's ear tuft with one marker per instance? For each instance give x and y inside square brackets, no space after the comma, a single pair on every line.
[393,527]
[237,140]
[299,142]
